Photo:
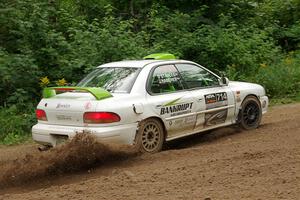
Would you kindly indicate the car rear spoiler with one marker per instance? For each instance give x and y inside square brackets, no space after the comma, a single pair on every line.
[97,92]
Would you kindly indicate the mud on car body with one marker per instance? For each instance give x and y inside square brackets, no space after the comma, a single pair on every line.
[147,102]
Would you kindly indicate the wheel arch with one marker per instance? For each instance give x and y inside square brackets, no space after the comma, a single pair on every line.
[158,119]
[250,95]
[240,107]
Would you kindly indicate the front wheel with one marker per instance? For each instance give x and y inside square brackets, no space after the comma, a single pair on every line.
[251,113]
[150,136]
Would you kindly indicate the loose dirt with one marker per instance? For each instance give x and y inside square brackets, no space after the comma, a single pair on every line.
[82,152]
[223,164]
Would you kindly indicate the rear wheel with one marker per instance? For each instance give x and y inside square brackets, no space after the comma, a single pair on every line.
[251,113]
[150,136]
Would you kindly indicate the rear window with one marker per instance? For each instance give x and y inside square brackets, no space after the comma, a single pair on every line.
[112,79]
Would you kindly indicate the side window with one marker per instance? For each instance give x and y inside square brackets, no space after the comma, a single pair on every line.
[195,76]
[165,79]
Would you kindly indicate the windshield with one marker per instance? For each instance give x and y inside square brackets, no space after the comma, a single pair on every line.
[112,79]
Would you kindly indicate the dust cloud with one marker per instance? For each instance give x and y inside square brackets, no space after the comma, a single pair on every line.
[81,153]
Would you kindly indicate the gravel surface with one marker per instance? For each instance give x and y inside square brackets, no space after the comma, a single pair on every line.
[224,164]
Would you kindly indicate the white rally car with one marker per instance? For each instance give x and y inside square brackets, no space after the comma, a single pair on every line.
[147,102]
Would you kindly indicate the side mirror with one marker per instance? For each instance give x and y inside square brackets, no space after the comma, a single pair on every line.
[224,81]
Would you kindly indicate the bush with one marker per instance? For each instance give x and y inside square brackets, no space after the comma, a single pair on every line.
[280,79]
[15,126]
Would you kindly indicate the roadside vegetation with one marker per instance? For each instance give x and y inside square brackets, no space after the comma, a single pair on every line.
[46,43]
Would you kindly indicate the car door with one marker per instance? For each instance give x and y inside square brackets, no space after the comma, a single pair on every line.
[214,102]
[170,101]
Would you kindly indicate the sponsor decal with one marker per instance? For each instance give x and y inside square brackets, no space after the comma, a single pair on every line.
[216,117]
[88,105]
[59,105]
[178,109]
[216,100]
[168,77]
[182,124]
[238,97]
[173,102]
[174,108]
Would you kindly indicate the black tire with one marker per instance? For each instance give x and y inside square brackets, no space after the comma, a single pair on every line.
[250,114]
[150,136]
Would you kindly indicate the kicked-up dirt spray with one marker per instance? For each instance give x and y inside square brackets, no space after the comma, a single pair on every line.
[82,152]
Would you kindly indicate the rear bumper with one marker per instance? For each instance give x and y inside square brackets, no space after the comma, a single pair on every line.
[51,134]
[264,102]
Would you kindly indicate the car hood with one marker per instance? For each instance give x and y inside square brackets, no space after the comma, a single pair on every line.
[245,86]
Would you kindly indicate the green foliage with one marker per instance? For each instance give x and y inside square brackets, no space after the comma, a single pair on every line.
[15,126]
[63,40]
[281,79]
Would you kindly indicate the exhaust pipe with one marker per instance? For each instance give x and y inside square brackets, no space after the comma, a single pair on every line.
[44,147]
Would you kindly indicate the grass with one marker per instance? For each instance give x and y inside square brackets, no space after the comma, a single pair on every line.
[14,139]
[285,100]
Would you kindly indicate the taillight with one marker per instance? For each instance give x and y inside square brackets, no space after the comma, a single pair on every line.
[100,117]
[41,114]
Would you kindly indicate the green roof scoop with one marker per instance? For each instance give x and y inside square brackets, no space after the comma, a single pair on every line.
[97,92]
[160,56]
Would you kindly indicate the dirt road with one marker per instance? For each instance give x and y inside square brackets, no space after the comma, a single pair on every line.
[224,164]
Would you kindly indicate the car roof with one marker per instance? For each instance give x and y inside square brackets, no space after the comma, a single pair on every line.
[137,63]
